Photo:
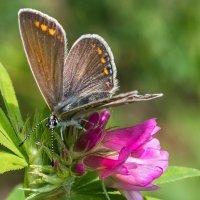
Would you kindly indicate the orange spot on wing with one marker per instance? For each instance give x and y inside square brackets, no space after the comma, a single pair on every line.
[105,71]
[37,23]
[43,27]
[52,31]
[103,60]
[99,51]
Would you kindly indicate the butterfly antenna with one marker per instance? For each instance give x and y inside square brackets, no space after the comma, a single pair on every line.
[52,146]
[32,131]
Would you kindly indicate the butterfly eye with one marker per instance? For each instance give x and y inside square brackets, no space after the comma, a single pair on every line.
[55,123]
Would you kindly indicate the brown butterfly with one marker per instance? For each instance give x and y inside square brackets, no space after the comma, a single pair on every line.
[73,83]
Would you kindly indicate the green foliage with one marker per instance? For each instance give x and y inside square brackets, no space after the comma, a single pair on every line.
[9,128]
[11,162]
[174,173]
[16,194]
[150,198]
[79,190]
[85,184]
[8,137]
[90,187]
[10,99]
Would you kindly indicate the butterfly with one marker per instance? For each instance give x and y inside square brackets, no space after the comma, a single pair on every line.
[73,83]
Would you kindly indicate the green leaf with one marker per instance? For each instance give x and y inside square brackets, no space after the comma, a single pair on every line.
[86,197]
[16,194]
[83,181]
[90,187]
[150,198]
[95,187]
[174,173]
[8,137]
[75,197]
[11,162]
[92,196]
[9,98]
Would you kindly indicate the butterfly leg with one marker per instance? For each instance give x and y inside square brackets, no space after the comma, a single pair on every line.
[61,133]
[79,126]
[74,122]
[87,121]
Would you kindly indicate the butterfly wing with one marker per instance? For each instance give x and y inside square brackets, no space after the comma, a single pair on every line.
[89,69]
[123,98]
[89,80]
[44,41]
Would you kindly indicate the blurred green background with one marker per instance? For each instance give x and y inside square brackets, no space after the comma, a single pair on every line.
[156,45]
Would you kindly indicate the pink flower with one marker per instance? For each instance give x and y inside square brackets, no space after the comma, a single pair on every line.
[129,159]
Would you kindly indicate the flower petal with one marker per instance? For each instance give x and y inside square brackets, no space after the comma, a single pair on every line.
[88,140]
[97,119]
[150,154]
[92,121]
[129,159]
[104,117]
[140,176]
[132,195]
[129,187]
[105,166]
[99,162]
[132,137]
[95,127]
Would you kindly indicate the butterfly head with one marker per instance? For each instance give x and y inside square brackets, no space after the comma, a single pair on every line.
[52,122]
